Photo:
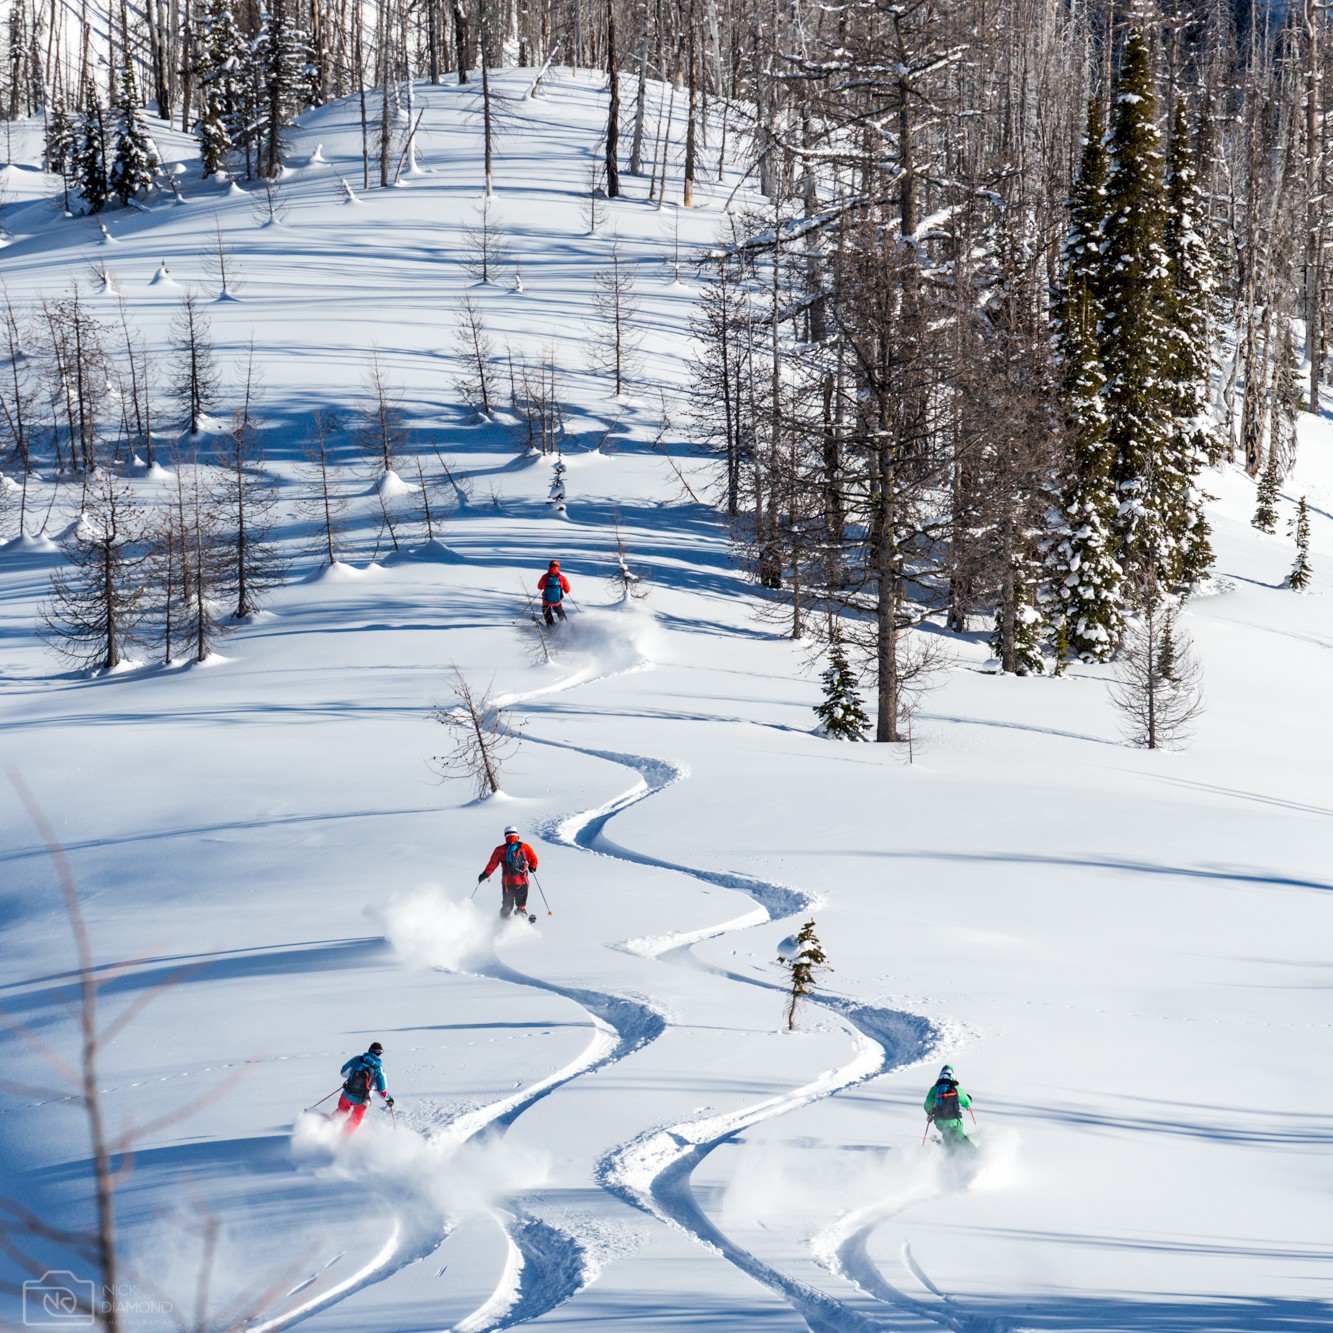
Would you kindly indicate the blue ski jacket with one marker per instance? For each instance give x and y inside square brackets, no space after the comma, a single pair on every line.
[376,1082]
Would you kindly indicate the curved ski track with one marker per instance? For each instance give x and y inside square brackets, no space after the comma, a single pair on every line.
[547,1266]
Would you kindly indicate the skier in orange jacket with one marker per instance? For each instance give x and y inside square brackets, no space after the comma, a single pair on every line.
[518,860]
[553,586]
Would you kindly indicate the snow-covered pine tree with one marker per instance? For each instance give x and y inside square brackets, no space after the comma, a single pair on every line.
[136,163]
[1023,639]
[1193,289]
[223,67]
[1265,509]
[840,712]
[281,53]
[1285,400]
[62,140]
[803,968]
[1136,334]
[1082,578]
[1299,578]
[90,167]
[214,141]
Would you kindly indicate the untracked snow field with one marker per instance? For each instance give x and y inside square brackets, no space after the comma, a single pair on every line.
[600,1121]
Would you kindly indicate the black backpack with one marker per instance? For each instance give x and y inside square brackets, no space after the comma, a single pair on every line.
[358,1081]
[946,1102]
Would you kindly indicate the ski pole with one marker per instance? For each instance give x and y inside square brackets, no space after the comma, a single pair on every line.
[322,1100]
[480,882]
[542,891]
[973,1114]
[927,1131]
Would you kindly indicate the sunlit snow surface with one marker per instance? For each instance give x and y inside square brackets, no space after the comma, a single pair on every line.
[600,1122]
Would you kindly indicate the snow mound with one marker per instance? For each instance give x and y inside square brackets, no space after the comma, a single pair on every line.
[163,278]
[40,544]
[391,484]
[433,552]
[341,572]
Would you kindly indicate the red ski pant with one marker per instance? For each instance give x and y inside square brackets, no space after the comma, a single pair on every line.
[354,1111]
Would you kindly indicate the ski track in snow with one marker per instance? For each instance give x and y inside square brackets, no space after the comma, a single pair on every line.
[653,1172]
[546,1266]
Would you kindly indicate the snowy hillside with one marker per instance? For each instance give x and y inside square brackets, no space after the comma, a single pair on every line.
[600,1121]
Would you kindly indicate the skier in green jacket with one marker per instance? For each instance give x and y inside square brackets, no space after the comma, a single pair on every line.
[945,1104]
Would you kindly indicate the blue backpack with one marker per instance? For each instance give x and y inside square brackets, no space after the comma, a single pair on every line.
[516,863]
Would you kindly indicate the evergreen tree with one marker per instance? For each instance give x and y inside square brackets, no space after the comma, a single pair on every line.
[215,144]
[803,967]
[1026,630]
[91,163]
[1081,596]
[1193,292]
[1299,578]
[1265,512]
[281,55]
[841,712]
[224,77]
[137,161]
[1136,332]
[62,140]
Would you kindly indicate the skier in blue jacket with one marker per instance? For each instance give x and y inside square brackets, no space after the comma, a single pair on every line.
[363,1076]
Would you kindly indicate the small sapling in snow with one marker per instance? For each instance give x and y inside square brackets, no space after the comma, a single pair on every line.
[803,967]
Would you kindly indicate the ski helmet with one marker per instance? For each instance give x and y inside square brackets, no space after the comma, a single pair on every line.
[947,1072]
[555,564]
[510,830]
[376,1048]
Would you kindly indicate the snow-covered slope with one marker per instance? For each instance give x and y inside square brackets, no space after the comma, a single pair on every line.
[600,1122]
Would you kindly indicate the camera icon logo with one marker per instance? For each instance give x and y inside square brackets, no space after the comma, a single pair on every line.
[58,1299]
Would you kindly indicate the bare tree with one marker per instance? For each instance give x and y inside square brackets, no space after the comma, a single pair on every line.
[98,603]
[537,395]
[245,500]
[76,373]
[220,265]
[592,208]
[380,429]
[1158,692]
[203,564]
[483,737]
[627,581]
[475,351]
[485,253]
[269,208]
[616,339]
[322,503]
[195,378]
[136,381]
[18,398]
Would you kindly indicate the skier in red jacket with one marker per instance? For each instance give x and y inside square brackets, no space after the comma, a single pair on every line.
[553,586]
[518,860]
